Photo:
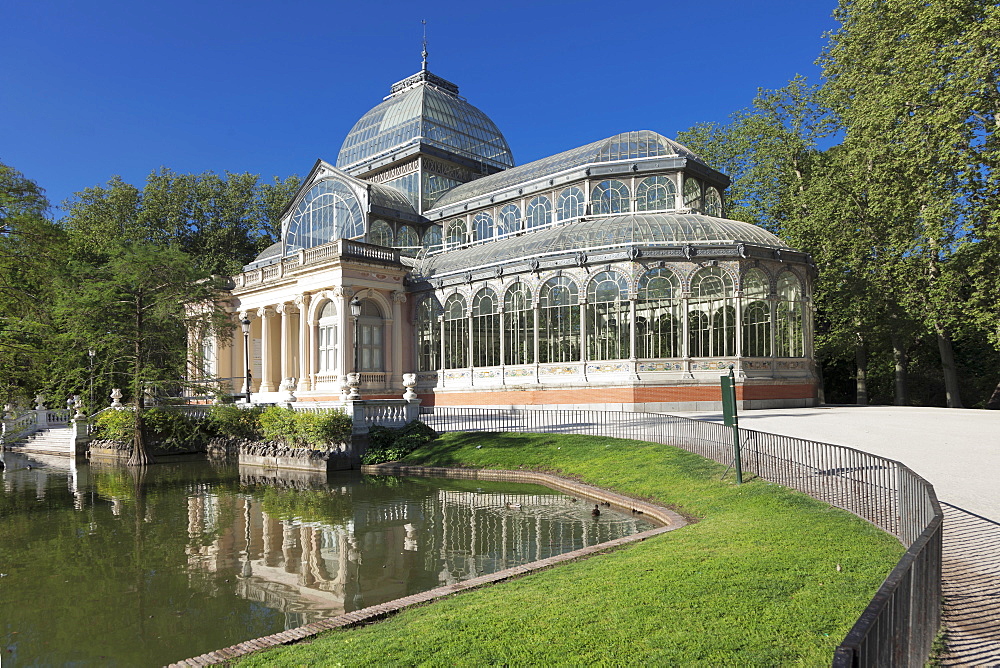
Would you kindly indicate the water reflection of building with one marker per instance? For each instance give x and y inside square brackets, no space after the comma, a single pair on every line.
[387,549]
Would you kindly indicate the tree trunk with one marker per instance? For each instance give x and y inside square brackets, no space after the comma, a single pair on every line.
[994,403]
[952,395]
[899,353]
[861,359]
[140,455]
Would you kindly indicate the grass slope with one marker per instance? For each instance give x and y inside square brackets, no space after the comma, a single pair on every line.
[754,582]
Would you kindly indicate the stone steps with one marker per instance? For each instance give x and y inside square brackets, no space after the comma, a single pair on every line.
[51,441]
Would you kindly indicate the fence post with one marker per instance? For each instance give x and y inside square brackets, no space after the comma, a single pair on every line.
[729,415]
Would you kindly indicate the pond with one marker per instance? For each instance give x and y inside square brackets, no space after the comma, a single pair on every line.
[102,565]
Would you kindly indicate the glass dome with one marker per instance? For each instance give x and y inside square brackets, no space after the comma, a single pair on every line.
[428,108]
[604,232]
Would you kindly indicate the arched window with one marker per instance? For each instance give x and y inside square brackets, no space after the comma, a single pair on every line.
[607,317]
[692,193]
[485,328]
[711,314]
[407,241]
[432,238]
[756,315]
[428,335]
[456,232]
[540,211]
[329,211]
[559,321]
[655,193]
[456,333]
[713,202]
[519,330]
[327,339]
[509,220]
[789,333]
[610,197]
[482,226]
[572,203]
[371,340]
[658,315]
[380,234]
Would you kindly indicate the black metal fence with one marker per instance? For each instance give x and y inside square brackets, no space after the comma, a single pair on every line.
[900,624]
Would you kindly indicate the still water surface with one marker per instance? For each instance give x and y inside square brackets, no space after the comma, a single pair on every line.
[102,566]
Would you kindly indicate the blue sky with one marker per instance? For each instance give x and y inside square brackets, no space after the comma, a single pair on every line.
[90,90]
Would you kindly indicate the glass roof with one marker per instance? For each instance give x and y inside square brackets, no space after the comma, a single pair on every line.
[426,107]
[625,146]
[390,198]
[639,229]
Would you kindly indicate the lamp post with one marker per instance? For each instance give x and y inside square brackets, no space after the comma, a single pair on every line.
[245,324]
[91,353]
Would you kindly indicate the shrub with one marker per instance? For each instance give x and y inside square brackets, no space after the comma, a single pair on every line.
[115,425]
[278,424]
[388,445]
[300,429]
[171,428]
[233,422]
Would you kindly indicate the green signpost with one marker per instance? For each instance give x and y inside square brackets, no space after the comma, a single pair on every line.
[729,416]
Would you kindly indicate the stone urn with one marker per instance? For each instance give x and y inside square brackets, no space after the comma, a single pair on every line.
[409,382]
[354,382]
[8,411]
[116,398]
[288,390]
[345,389]
[78,407]
[40,402]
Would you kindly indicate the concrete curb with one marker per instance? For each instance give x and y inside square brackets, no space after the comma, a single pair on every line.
[668,518]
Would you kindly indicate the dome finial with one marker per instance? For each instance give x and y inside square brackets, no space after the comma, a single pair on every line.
[423,67]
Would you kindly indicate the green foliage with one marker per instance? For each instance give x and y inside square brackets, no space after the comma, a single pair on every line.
[115,425]
[301,429]
[169,429]
[389,445]
[230,421]
[755,581]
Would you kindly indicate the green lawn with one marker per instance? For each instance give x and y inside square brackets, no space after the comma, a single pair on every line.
[753,581]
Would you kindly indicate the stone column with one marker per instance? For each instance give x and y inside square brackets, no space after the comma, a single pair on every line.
[265,315]
[305,345]
[285,346]
[396,368]
[345,352]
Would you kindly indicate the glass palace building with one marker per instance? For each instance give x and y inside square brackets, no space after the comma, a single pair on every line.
[606,276]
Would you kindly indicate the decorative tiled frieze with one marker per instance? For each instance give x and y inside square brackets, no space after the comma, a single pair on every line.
[455,375]
[519,373]
[559,370]
[793,364]
[607,368]
[487,373]
[719,365]
[661,366]
[756,365]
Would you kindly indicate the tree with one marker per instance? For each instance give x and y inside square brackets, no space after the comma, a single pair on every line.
[130,290]
[917,89]
[27,240]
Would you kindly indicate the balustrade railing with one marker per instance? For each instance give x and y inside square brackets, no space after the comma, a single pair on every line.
[899,625]
[19,427]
